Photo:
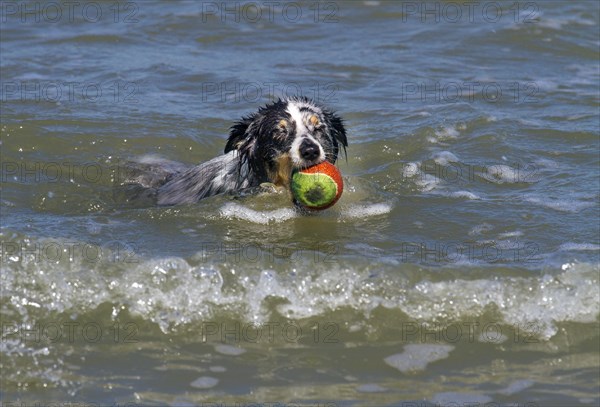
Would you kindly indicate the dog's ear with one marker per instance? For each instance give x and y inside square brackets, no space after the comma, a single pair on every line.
[238,134]
[338,131]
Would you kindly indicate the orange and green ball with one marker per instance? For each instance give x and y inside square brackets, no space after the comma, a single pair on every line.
[317,187]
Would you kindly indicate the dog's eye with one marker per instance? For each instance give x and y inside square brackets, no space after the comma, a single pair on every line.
[283,124]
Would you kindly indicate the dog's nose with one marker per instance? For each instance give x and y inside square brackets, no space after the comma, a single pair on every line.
[309,150]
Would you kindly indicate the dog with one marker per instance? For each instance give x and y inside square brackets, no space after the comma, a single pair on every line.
[262,151]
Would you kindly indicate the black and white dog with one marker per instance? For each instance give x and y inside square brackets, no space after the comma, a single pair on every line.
[264,147]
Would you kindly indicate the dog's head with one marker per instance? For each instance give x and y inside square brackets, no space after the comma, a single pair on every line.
[285,135]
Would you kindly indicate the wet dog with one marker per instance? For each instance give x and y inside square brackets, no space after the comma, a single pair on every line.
[263,149]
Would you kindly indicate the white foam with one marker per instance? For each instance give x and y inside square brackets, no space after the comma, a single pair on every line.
[500,174]
[234,210]
[417,356]
[229,350]
[428,182]
[460,399]
[463,194]
[562,205]
[172,291]
[547,163]
[558,23]
[516,387]
[479,229]
[447,132]
[411,169]
[492,336]
[370,388]
[204,382]
[515,233]
[444,158]
[579,247]
[534,304]
[363,211]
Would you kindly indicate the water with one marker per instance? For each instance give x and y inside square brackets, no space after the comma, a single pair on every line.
[460,265]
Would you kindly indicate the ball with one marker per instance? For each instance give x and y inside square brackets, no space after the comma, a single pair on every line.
[317,187]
